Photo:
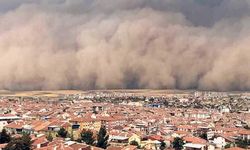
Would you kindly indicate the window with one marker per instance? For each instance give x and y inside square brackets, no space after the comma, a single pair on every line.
[75,126]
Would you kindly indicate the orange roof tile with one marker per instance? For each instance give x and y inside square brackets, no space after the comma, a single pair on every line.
[245,132]
[235,148]
[195,140]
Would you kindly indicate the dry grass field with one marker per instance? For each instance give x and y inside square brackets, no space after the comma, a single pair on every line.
[138,92]
[38,93]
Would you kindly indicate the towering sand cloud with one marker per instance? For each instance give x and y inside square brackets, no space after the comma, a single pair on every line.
[101,44]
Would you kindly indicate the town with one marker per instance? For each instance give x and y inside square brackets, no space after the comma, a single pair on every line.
[125,74]
[126,120]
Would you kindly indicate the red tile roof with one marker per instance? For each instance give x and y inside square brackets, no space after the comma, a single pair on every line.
[156,137]
[235,148]
[195,140]
[245,132]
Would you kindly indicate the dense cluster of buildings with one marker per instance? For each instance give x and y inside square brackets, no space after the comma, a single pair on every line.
[150,121]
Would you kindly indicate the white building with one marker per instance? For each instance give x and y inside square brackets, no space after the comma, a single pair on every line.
[192,146]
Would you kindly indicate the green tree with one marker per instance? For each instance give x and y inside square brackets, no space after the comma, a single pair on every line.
[23,143]
[204,136]
[49,137]
[62,133]
[247,127]
[87,137]
[228,145]
[72,135]
[242,143]
[165,103]
[163,145]
[178,143]
[102,138]
[134,142]
[4,137]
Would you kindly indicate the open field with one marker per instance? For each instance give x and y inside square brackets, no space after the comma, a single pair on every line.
[138,92]
[38,93]
[145,92]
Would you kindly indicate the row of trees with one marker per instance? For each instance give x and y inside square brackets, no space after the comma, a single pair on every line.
[61,133]
[87,136]
[101,140]
[24,142]
[243,143]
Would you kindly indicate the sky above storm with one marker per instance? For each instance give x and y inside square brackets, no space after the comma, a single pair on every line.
[125,44]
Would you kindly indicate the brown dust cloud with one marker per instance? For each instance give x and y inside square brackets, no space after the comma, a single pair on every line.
[125,44]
